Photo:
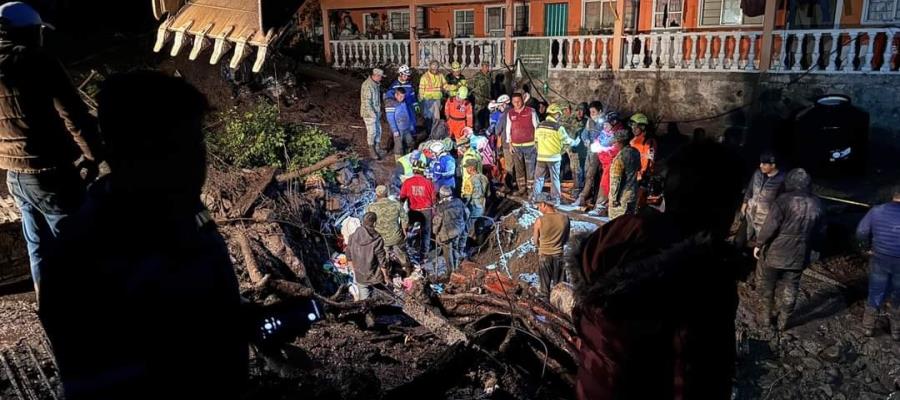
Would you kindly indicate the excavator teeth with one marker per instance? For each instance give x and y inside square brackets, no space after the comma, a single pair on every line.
[260,58]
[221,46]
[240,49]
[162,35]
[180,36]
[200,42]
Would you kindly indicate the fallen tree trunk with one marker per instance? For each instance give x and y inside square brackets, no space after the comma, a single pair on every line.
[433,321]
[253,270]
[325,163]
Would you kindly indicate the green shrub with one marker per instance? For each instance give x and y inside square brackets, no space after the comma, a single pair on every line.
[256,138]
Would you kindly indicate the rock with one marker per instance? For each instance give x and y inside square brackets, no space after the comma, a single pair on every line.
[812,346]
[796,353]
[839,396]
[894,396]
[812,363]
[827,390]
[833,353]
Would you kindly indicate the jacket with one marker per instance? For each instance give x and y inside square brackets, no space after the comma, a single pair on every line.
[443,171]
[623,184]
[475,189]
[431,86]
[459,116]
[646,146]
[470,154]
[481,88]
[370,99]
[44,124]
[450,220]
[419,191]
[654,311]
[411,100]
[366,250]
[398,116]
[590,133]
[392,219]
[552,140]
[452,84]
[795,225]
[761,193]
[518,129]
[574,128]
[881,228]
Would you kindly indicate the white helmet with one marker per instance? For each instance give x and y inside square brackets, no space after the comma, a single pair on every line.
[403,70]
[503,99]
[436,148]
[492,105]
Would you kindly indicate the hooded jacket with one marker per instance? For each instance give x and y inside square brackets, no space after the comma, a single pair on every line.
[761,193]
[795,225]
[443,171]
[44,124]
[411,100]
[366,250]
[398,116]
[655,311]
[450,220]
[880,228]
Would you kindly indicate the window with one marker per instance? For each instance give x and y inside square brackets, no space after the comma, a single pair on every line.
[420,19]
[465,23]
[399,21]
[725,12]
[495,19]
[667,14]
[369,21]
[882,11]
[600,15]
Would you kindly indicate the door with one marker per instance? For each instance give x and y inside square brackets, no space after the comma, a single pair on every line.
[556,16]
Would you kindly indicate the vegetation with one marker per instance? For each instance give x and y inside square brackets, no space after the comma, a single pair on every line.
[256,138]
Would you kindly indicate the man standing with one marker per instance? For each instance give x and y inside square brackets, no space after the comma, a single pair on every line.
[366,251]
[475,189]
[644,144]
[521,121]
[45,128]
[765,186]
[607,151]
[370,111]
[552,141]
[794,227]
[481,89]
[623,173]
[574,121]
[880,230]
[459,113]
[392,223]
[431,86]
[455,80]
[419,192]
[589,135]
[450,229]
[398,116]
[404,80]
[550,235]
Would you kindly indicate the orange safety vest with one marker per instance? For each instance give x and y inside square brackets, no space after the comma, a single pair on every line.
[647,147]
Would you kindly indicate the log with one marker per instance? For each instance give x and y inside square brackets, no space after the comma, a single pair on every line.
[253,269]
[245,204]
[325,163]
[433,321]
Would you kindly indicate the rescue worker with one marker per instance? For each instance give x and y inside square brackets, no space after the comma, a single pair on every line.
[459,113]
[450,229]
[550,235]
[443,167]
[879,230]
[404,80]
[794,228]
[46,129]
[482,145]
[404,168]
[455,80]
[574,121]
[431,86]
[623,173]
[419,192]
[474,190]
[644,144]
[497,117]
[466,153]
[552,140]
[481,90]
[607,152]
[402,126]
[392,224]
[589,136]
[764,187]
[656,293]
[370,262]
[519,126]
[370,111]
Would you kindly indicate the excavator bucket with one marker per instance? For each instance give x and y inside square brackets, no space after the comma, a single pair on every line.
[236,26]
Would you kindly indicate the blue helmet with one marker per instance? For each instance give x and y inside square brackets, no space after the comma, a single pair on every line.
[19,15]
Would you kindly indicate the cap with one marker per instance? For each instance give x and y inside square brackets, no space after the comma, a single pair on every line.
[381,191]
[543,198]
[378,72]
[767,158]
[446,191]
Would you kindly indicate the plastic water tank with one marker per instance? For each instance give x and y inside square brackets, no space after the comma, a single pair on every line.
[831,136]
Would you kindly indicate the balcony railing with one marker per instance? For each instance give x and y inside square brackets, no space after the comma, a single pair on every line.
[872,50]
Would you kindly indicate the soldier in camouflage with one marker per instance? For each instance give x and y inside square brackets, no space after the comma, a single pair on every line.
[574,121]
[481,90]
[391,225]
[623,173]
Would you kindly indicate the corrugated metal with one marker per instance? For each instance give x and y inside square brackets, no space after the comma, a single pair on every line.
[556,17]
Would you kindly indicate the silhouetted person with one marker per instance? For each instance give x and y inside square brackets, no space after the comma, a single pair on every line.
[142,300]
[656,294]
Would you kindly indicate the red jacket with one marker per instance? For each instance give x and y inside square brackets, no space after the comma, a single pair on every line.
[655,313]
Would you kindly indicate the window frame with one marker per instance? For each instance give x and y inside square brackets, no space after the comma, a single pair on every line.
[391,20]
[865,16]
[502,8]
[455,22]
[584,14]
[654,13]
[700,23]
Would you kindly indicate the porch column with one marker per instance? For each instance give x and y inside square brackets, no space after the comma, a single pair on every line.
[507,33]
[618,29]
[765,54]
[413,40]
[326,34]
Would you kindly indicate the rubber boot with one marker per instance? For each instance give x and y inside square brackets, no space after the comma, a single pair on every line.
[895,322]
[765,315]
[373,152]
[868,321]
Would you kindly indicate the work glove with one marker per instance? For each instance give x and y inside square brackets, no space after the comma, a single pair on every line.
[756,253]
[418,109]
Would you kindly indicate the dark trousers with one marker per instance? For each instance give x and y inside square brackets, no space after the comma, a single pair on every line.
[591,177]
[423,242]
[884,281]
[768,280]
[523,163]
[454,251]
[551,272]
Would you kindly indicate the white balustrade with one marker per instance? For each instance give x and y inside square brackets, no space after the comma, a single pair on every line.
[579,52]
[368,53]
[469,53]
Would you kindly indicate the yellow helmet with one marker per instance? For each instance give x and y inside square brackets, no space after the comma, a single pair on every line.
[640,119]
[462,92]
[554,109]
[455,66]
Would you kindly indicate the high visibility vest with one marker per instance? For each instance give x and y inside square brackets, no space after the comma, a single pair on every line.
[431,86]
[551,139]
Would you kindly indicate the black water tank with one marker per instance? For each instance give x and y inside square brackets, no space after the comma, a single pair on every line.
[832,136]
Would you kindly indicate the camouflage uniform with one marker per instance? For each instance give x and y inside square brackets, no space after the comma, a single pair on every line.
[577,152]
[623,185]
[392,218]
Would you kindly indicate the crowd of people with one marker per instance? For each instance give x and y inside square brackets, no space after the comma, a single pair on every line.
[139,297]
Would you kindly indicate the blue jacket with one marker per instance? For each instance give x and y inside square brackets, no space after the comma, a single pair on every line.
[397,116]
[881,228]
[443,172]
[495,120]
[411,99]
